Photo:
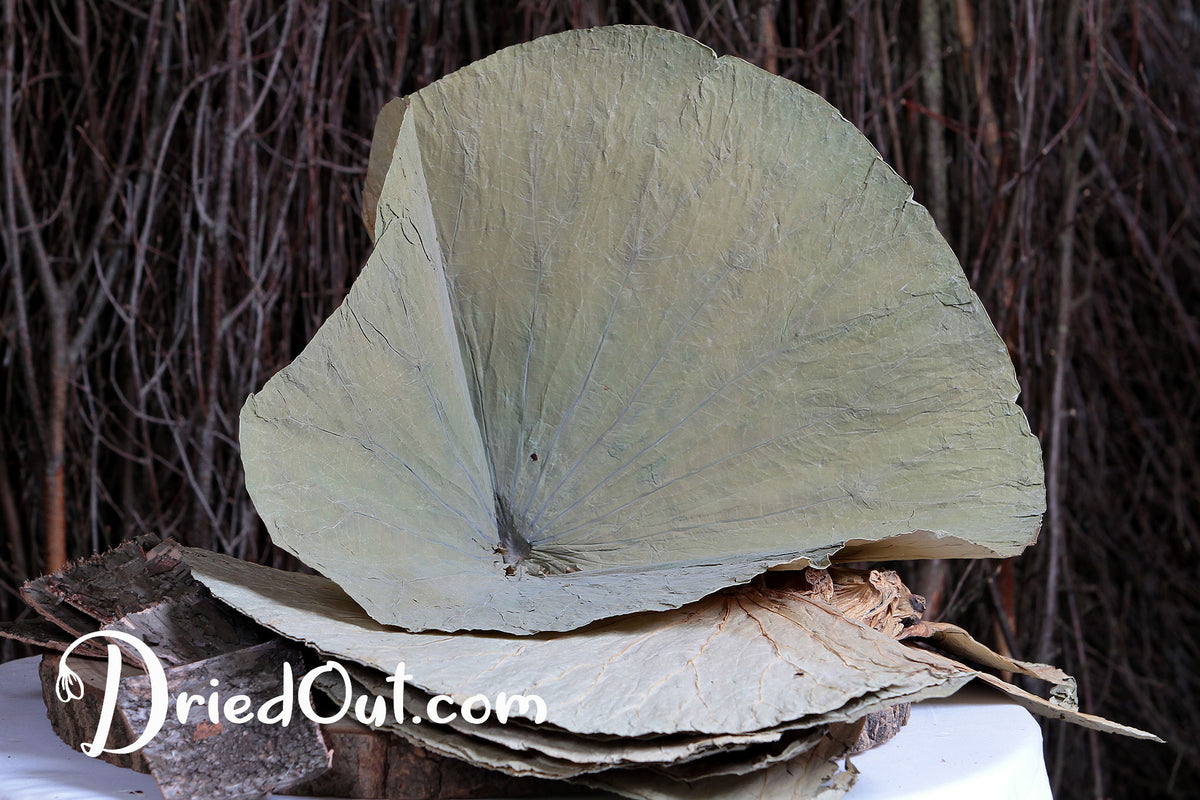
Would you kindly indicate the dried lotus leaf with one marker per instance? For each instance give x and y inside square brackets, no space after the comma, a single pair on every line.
[640,323]
[682,671]
[1051,710]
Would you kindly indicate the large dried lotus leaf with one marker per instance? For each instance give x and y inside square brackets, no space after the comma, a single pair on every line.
[682,671]
[702,330]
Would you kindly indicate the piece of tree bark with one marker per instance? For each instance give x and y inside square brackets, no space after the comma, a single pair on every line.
[220,759]
[43,633]
[133,576]
[142,588]
[188,628]
[54,609]
[880,727]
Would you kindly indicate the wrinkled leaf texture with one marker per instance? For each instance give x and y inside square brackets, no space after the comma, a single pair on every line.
[640,323]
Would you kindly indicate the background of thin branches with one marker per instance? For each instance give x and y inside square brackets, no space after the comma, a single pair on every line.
[180,211]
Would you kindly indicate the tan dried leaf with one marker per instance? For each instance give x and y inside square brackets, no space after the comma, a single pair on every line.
[736,662]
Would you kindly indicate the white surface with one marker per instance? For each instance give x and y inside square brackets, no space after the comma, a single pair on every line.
[974,745]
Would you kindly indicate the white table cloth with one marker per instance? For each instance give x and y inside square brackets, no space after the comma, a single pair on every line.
[975,745]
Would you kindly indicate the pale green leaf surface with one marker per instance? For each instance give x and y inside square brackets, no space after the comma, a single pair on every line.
[695,293]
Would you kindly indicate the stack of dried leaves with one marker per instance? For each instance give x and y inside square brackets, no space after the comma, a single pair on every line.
[750,692]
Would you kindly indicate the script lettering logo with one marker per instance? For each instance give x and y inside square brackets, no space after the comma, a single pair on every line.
[69,687]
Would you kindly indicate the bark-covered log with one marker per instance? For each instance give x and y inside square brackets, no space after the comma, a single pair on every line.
[76,722]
